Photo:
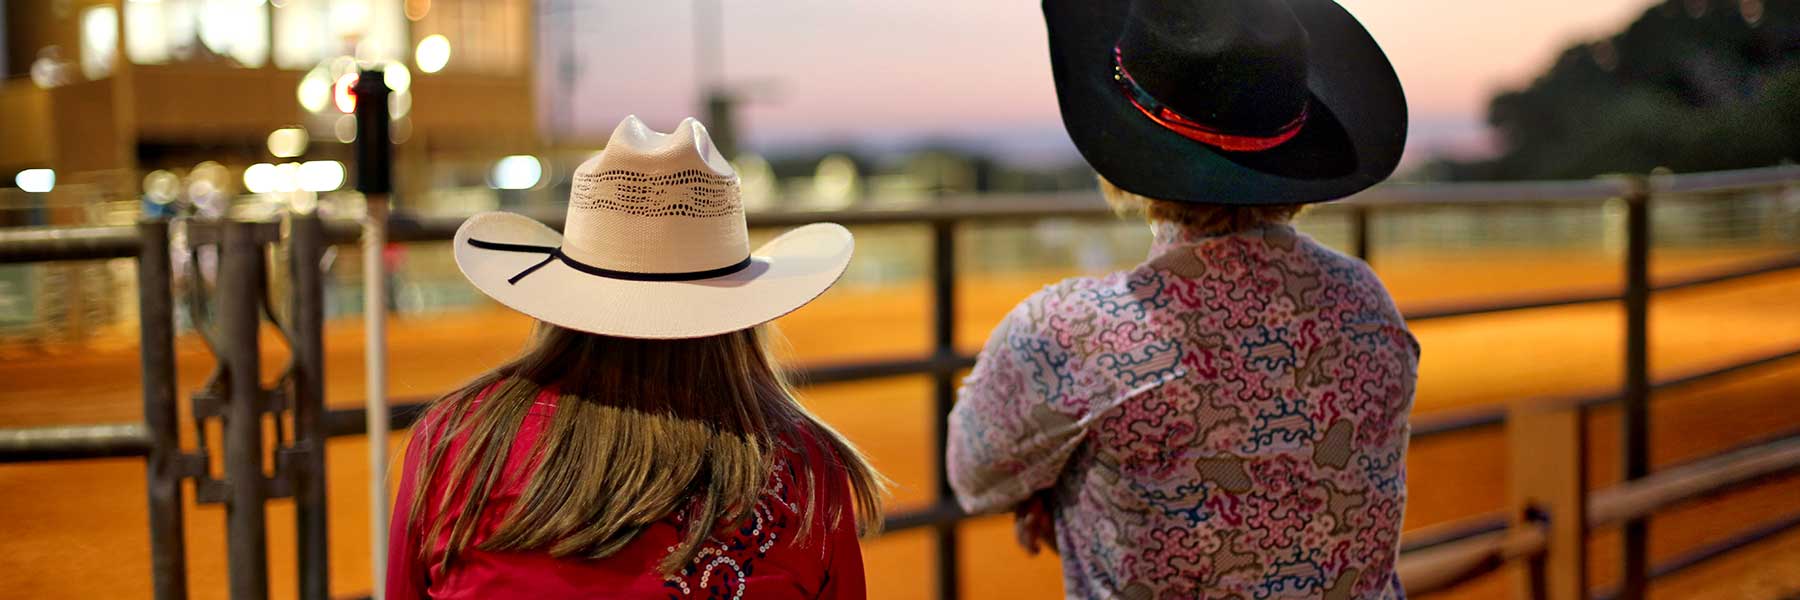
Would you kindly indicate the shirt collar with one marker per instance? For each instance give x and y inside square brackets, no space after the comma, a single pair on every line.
[1173,235]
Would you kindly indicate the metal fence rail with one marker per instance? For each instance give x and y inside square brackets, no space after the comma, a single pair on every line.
[1484,544]
[52,244]
[1436,558]
[74,442]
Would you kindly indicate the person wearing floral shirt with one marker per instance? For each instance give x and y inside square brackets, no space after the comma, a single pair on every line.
[1229,418]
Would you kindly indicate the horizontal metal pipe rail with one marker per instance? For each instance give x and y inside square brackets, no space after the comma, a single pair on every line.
[1506,193]
[1678,485]
[89,243]
[1745,271]
[1724,181]
[1463,550]
[1714,550]
[1452,421]
[1487,308]
[1686,281]
[74,442]
[48,245]
[1450,565]
[1432,536]
[1696,556]
[1741,467]
[55,244]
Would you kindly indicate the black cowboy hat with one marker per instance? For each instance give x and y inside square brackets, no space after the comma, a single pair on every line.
[1242,102]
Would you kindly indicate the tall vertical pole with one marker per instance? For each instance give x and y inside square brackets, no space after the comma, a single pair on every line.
[305,251]
[375,384]
[708,26]
[1635,440]
[374,170]
[156,341]
[943,335]
[568,70]
[240,282]
[717,105]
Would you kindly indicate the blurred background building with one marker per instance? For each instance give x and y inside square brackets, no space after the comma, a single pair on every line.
[113,107]
[116,109]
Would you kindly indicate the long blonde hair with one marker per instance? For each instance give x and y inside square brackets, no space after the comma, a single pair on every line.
[642,429]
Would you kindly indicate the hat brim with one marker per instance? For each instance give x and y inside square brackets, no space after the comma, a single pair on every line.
[1352,140]
[785,274]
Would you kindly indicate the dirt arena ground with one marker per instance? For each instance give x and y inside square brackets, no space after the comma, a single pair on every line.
[77,530]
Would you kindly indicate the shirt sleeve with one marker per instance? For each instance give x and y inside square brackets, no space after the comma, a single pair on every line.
[408,577]
[1014,425]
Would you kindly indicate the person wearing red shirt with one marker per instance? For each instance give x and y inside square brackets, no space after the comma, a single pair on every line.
[644,445]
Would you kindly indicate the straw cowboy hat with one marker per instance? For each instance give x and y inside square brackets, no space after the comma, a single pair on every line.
[1227,101]
[655,247]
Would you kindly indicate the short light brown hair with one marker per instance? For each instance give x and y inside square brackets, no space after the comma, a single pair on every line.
[1207,218]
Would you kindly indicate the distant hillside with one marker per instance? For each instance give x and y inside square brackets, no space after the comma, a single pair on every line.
[1691,85]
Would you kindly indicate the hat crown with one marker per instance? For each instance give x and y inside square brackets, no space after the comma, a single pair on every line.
[1237,65]
[634,145]
[652,202]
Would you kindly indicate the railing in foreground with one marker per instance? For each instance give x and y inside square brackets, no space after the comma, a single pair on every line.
[1545,527]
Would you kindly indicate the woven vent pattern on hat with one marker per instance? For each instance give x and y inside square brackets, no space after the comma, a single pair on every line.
[687,193]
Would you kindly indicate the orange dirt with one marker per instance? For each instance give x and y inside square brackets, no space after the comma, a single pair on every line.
[77,530]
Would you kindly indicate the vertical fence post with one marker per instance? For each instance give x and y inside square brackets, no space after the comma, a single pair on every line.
[1635,420]
[943,327]
[375,402]
[306,249]
[156,353]
[1359,228]
[1547,447]
[374,178]
[240,281]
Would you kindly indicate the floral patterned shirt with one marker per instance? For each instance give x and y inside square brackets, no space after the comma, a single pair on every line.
[1227,420]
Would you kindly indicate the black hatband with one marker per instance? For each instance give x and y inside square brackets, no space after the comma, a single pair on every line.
[555,253]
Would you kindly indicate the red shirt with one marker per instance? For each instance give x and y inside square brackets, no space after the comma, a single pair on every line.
[759,559]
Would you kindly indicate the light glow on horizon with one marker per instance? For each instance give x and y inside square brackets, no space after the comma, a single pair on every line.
[863,70]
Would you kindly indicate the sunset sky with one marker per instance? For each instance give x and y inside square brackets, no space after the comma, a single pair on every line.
[977,72]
